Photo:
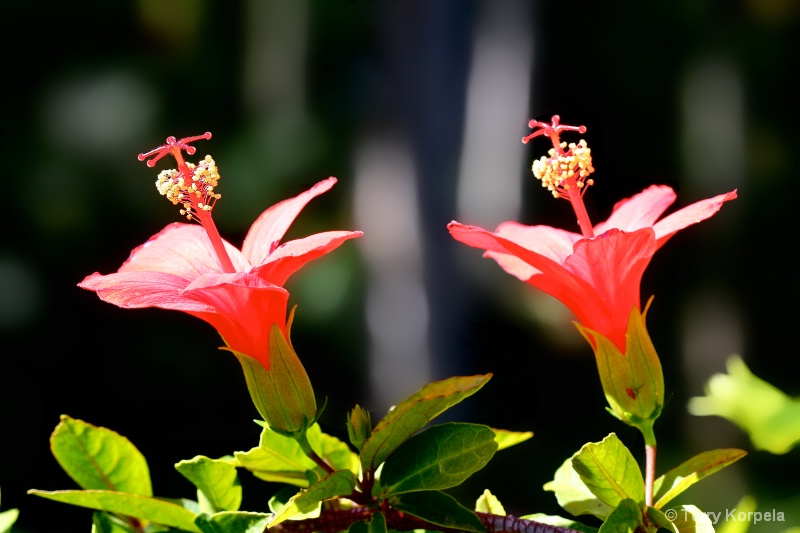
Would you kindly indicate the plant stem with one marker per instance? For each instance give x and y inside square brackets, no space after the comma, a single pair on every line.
[649,473]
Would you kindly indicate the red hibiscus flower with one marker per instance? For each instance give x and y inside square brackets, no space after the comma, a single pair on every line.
[188,267]
[596,274]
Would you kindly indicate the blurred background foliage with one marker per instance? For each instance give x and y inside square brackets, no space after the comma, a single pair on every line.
[418,108]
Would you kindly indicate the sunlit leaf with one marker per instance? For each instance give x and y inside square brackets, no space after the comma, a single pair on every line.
[98,458]
[488,503]
[609,471]
[7,519]
[440,457]
[626,518]
[690,472]
[233,522]
[746,505]
[660,520]
[506,439]
[216,480]
[770,417]
[440,509]
[103,522]
[560,521]
[573,495]
[339,483]
[138,506]
[690,519]
[413,413]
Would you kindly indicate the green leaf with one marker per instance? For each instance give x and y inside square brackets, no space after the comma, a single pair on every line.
[440,509]
[609,471]
[560,521]
[746,505]
[690,519]
[660,520]
[280,459]
[339,483]
[138,506]
[573,495]
[770,417]
[413,413]
[506,439]
[690,472]
[103,522]
[97,458]
[216,481]
[7,519]
[488,503]
[378,523]
[438,458]
[233,522]
[624,519]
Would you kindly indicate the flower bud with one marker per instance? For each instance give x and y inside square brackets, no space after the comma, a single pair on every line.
[359,426]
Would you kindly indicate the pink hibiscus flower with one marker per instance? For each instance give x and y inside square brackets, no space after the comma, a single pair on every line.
[188,267]
[596,274]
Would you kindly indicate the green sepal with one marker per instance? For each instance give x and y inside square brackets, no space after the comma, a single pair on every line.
[440,457]
[173,513]
[609,471]
[626,518]
[702,465]
[280,459]
[633,382]
[334,485]
[439,509]
[282,394]
[98,458]
[413,413]
[217,483]
[233,522]
[560,521]
[573,495]
[690,519]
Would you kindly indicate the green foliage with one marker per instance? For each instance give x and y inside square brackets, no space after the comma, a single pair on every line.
[609,471]
[97,458]
[690,472]
[339,483]
[488,503]
[233,522]
[171,513]
[573,495]
[438,458]
[770,417]
[690,519]
[7,519]
[218,486]
[412,414]
[506,439]
[440,509]
[625,518]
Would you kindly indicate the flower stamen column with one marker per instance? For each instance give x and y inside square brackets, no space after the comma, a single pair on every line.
[191,186]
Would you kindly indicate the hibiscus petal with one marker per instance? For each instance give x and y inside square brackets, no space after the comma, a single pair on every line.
[291,256]
[242,308]
[550,242]
[269,228]
[638,211]
[692,214]
[183,250]
[143,289]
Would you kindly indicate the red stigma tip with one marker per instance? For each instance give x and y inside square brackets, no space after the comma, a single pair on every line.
[172,145]
[552,130]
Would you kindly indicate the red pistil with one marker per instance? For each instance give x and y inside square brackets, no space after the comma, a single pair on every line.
[174,147]
[565,172]
[552,130]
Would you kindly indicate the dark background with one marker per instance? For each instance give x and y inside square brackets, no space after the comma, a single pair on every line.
[700,95]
